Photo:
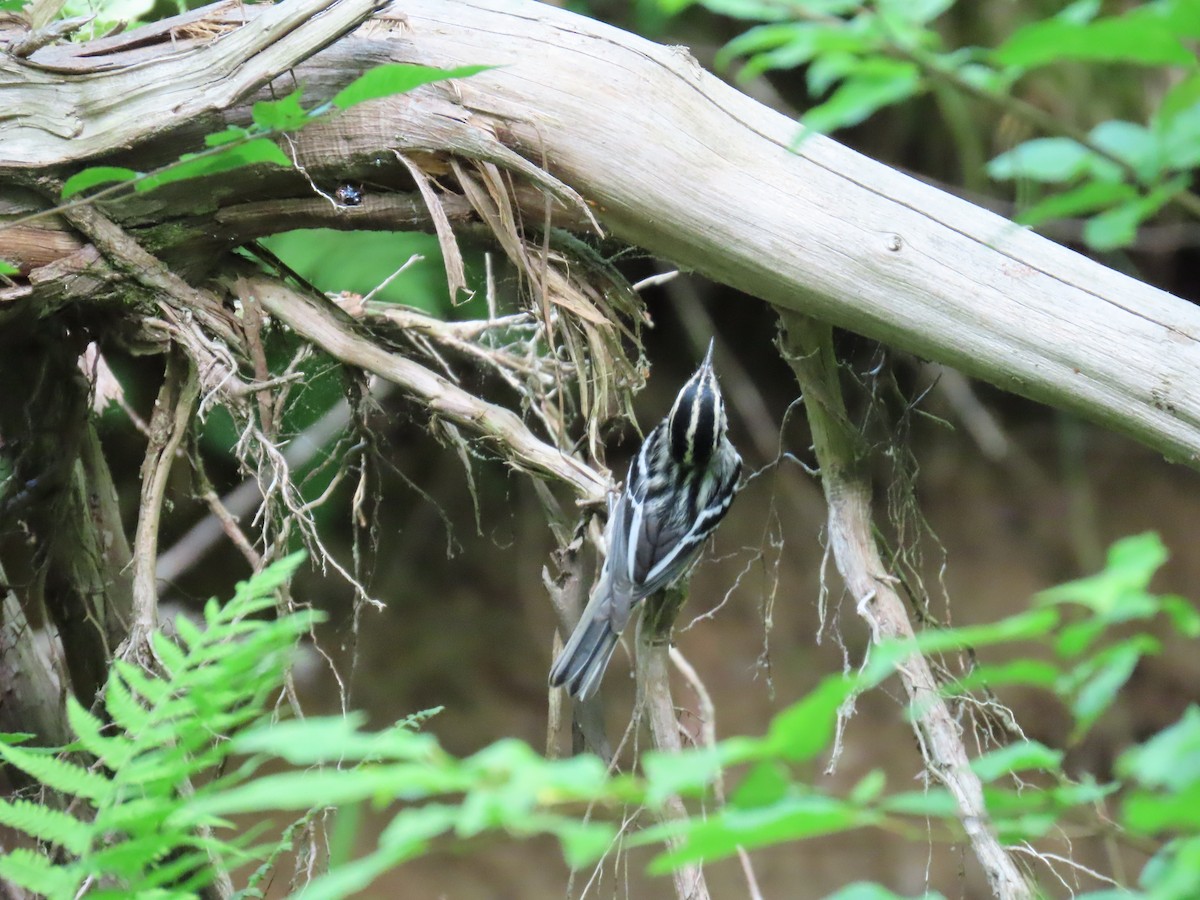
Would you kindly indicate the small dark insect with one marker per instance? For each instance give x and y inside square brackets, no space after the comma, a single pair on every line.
[348,195]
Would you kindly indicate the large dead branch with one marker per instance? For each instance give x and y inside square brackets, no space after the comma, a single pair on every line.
[669,158]
[232,54]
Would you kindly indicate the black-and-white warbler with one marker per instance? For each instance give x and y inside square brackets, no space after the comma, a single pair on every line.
[678,489]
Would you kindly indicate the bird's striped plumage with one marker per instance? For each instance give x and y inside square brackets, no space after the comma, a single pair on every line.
[679,487]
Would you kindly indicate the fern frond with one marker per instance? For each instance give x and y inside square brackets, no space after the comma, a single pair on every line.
[35,872]
[168,652]
[129,860]
[113,750]
[146,688]
[59,774]
[133,815]
[121,704]
[188,633]
[46,824]
[172,730]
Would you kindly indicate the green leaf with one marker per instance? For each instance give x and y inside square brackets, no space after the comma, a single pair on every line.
[1080,12]
[168,653]
[1027,827]
[125,708]
[34,872]
[258,593]
[281,115]
[1018,671]
[1179,136]
[1173,872]
[351,879]
[1116,664]
[870,88]
[1026,626]
[1131,143]
[96,175]
[1118,592]
[584,843]
[934,803]
[674,7]
[691,772]
[792,44]
[869,787]
[1181,98]
[1170,760]
[1051,160]
[1183,614]
[319,788]
[768,11]
[58,774]
[765,784]
[771,47]
[722,834]
[414,828]
[396,78]
[234,156]
[1086,198]
[7,268]
[1181,17]
[1118,226]
[1123,39]
[805,728]
[113,751]
[46,824]
[228,136]
[1016,757]
[331,739]
[187,631]
[1012,804]
[1148,812]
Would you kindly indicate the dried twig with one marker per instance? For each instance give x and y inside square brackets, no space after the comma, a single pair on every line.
[708,735]
[654,694]
[333,331]
[168,425]
[842,453]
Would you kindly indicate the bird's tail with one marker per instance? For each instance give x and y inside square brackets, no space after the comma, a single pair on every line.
[583,660]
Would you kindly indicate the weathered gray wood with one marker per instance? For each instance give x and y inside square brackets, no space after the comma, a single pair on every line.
[680,163]
[670,158]
[135,93]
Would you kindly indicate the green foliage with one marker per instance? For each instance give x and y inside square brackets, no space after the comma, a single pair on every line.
[136,826]
[94,177]
[863,57]
[7,268]
[153,787]
[396,78]
[227,157]
[236,148]
[126,819]
[773,802]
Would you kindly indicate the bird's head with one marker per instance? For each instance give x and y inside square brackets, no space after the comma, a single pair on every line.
[696,423]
